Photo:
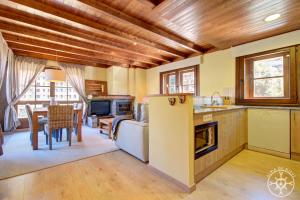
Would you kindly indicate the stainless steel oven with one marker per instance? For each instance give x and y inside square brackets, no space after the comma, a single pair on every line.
[206,138]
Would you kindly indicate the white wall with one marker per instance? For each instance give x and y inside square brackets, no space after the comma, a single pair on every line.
[217,69]
[95,73]
[127,81]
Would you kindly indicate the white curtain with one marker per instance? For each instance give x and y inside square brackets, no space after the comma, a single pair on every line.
[20,76]
[75,75]
[3,58]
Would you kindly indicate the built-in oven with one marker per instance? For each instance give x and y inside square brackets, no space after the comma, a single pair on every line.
[206,138]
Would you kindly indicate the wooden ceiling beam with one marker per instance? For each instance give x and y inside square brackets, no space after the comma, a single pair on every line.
[105,9]
[16,46]
[35,20]
[16,39]
[24,30]
[57,58]
[70,13]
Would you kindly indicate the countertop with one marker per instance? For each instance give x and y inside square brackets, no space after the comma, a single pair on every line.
[203,110]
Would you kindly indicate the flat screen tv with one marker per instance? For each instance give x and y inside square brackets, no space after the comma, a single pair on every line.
[100,108]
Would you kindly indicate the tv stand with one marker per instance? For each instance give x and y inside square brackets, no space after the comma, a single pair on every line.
[105,126]
[105,117]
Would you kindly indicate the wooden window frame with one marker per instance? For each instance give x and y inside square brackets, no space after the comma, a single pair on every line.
[243,92]
[177,72]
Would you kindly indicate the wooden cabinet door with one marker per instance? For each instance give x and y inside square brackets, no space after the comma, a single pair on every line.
[295,132]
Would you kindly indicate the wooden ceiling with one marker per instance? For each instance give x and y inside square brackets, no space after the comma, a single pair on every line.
[138,33]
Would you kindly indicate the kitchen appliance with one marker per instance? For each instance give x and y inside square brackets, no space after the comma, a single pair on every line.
[206,138]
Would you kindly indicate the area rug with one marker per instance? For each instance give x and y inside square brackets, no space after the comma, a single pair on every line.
[19,158]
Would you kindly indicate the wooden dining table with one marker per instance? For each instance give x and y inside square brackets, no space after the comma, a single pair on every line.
[43,112]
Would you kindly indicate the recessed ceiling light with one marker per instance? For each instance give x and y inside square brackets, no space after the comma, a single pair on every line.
[134,43]
[272,17]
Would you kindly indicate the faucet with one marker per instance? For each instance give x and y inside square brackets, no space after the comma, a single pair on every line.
[212,100]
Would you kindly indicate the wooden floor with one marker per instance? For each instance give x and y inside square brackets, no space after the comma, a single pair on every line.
[119,176]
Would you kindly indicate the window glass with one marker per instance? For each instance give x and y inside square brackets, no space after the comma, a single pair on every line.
[188,82]
[29,95]
[42,93]
[268,67]
[179,81]
[268,78]
[39,94]
[270,87]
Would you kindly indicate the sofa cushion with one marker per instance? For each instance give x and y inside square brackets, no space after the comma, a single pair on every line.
[133,137]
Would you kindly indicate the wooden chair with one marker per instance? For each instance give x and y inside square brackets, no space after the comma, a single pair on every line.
[75,119]
[59,117]
[41,121]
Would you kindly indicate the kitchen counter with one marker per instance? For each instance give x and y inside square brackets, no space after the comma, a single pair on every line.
[203,110]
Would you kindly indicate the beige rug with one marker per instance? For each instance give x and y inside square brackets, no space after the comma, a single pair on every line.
[19,158]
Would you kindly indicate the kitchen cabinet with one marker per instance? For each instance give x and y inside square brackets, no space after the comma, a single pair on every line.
[295,134]
[232,137]
[269,131]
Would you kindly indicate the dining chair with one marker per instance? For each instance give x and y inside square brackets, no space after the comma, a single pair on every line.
[75,122]
[41,122]
[59,117]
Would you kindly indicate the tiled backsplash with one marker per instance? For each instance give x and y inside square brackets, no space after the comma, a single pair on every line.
[206,100]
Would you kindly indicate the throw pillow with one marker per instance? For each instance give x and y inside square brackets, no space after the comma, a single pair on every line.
[137,111]
[144,113]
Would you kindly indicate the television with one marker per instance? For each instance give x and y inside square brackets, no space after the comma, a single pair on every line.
[100,107]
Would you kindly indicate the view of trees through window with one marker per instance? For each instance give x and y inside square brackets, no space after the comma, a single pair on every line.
[268,77]
[39,94]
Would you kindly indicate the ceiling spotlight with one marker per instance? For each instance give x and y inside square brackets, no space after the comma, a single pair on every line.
[134,43]
[272,17]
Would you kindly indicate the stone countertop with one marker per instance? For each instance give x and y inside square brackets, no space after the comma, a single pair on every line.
[204,110]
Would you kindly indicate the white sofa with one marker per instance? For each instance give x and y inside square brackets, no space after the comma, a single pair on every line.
[133,137]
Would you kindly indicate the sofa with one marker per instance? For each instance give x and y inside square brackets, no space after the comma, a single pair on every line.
[133,137]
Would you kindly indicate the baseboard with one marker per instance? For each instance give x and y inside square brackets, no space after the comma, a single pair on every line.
[184,187]
[295,156]
[217,164]
[271,152]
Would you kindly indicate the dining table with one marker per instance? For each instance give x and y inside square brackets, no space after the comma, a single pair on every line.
[43,112]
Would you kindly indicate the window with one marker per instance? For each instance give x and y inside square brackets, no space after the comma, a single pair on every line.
[65,92]
[182,80]
[267,78]
[38,94]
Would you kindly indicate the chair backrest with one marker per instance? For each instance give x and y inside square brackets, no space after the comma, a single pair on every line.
[29,114]
[60,116]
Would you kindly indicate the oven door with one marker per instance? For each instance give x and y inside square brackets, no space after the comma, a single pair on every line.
[206,138]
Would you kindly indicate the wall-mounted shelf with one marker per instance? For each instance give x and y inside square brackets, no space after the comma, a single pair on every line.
[95,88]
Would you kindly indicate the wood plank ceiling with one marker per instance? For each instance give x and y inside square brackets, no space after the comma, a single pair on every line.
[138,33]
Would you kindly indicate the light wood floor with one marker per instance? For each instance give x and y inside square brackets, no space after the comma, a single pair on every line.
[119,176]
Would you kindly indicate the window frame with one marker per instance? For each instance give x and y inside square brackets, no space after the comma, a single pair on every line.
[178,74]
[244,93]
[46,102]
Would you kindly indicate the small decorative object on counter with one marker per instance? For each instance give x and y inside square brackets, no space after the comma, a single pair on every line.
[181,99]
[227,100]
[172,101]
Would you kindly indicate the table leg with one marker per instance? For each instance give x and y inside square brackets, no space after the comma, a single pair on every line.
[109,130]
[35,128]
[79,126]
